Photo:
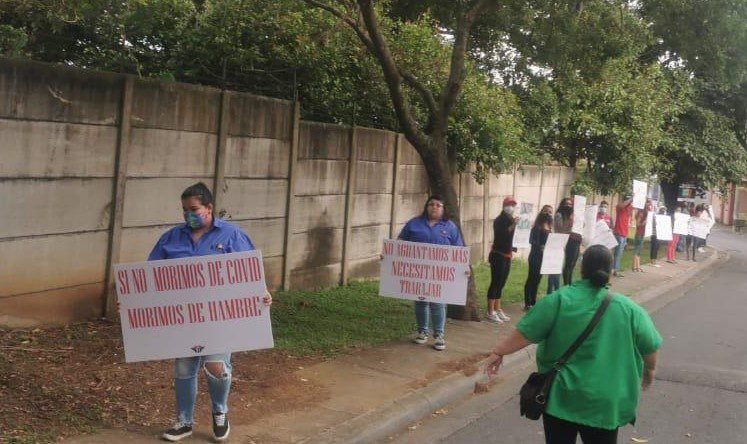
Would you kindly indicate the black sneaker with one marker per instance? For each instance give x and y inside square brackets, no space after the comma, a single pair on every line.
[177,433]
[221,427]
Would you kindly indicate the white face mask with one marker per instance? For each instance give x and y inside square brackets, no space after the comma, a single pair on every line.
[603,210]
[509,210]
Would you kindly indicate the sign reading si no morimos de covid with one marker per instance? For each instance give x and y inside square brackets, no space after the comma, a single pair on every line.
[193,306]
[424,272]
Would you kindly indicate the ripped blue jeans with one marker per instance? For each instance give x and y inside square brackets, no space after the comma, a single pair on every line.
[185,384]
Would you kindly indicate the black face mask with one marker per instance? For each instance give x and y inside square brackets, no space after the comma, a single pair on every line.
[565,210]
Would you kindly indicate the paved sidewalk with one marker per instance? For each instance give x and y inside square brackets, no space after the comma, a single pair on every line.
[375,393]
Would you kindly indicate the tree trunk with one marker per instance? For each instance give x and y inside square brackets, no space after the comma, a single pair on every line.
[441,181]
[670,189]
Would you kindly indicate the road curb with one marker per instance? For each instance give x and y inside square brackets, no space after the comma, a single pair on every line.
[385,421]
[390,419]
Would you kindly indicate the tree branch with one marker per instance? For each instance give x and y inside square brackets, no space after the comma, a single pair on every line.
[392,76]
[345,18]
[457,72]
[424,92]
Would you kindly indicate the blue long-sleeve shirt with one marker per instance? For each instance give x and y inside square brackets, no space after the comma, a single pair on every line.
[222,238]
[444,232]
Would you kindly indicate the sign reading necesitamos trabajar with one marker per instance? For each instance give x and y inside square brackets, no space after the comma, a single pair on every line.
[193,306]
[424,272]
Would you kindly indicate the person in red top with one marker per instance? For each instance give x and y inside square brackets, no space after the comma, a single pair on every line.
[622,224]
[604,213]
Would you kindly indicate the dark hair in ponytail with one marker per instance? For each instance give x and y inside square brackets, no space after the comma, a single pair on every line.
[597,265]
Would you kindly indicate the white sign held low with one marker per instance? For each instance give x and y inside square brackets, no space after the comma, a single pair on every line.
[699,227]
[193,306]
[424,272]
[681,222]
[663,227]
[554,254]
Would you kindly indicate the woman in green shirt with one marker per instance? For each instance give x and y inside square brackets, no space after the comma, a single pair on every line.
[597,390]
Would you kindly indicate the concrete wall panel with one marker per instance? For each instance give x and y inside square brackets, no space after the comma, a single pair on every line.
[35,207]
[168,153]
[409,206]
[528,176]
[472,231]
[375,145]
[31,90]
[373,177]
[315,248]
[176,106]
[250,157]
[323,141]
[258,116]
[471,208]
[47,262]
[321,177]
[254,198]
[414,179]
[267,235]
[273,272]
[52,306]
[316,278]
[138,242]
[319,212]
[51,149]
[366,242]
[501,185]
[528,194]
[371,209]
[155,201]
[469,186]
[409,156]
[369,268]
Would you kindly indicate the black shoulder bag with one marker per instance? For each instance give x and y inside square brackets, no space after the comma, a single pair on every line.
[534,393]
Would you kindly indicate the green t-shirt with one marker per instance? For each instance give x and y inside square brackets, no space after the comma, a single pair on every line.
[600,383]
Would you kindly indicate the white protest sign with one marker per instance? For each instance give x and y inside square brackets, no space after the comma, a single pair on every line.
[603,235]
[424,272]
[579,207]
[193,306]
[681,222]
[639,194]
[590,224]
[649,224]
[663,227]
[524,226]
[554,253]
[699,227]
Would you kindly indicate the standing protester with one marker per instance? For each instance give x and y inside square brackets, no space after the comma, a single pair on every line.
[623,211]
[604,213]
[500,259]
[682,208]
[537,239]
[655,242]
[694,243]
[431,227]
[564,224]
[707,214]
[641,219]
[596,391]
[202,234]
[672,248]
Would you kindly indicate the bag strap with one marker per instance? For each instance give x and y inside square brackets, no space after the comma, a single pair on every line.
[589,328]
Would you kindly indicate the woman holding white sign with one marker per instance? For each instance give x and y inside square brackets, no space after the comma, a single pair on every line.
[202,234]
[431,227]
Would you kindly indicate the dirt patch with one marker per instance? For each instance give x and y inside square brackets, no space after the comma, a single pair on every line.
[468,367]
[72,380]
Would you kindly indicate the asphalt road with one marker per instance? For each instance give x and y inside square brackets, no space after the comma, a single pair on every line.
[700,395]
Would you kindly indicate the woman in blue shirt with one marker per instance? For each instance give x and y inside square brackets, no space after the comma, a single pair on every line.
[431,227]
[202,234]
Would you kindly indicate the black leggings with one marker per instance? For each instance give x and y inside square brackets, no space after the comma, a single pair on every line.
[654,248]
[500,267]
[533,278]
[571,257]
[560,431]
